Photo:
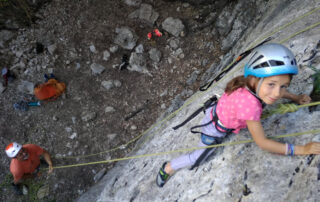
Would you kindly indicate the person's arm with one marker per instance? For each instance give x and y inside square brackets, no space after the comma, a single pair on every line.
[47,158]
[299,99]
[257,132]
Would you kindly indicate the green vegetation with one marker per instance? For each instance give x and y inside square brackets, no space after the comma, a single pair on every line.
[33,186]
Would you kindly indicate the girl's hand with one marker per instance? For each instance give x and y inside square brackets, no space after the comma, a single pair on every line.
[312,148]
[302,99]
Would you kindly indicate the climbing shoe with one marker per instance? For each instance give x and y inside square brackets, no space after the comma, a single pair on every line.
[162,176]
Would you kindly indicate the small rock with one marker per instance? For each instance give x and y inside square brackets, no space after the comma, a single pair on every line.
[126,38]
[155,55]
[74,135]
[55,118]
[111,136]
[174,43]
[88,116]
[117,83]
[139,49]
[73,120]
[114,49]
[78,66]
[68,129]
[50,70]
[107,84]
[52,48]
[193,78]
[173,26]
[19,54]
[26,87]
[93,49]
[185,5]
[133,127]
[123,146]
[138,63]
[133,2]
[146,13]
[24,190]
[97,68]
[106,55]
[109,109]
[163,106]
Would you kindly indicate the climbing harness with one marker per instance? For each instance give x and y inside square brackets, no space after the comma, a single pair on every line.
[233,64]
[209,103]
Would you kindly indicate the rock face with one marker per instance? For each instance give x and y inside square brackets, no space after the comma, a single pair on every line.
[241,172]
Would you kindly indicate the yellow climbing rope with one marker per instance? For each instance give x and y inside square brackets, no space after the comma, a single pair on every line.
[184,150]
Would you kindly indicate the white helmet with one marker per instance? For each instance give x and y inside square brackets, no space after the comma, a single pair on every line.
[13,149]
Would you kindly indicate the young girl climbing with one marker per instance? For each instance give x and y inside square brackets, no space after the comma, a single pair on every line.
[266,78]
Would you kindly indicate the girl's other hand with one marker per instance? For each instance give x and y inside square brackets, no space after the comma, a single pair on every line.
[303,99]
[312,148]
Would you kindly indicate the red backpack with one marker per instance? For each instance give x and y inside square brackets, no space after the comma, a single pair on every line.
[49,90]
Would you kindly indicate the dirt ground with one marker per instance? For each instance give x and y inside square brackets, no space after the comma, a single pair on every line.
[74,26]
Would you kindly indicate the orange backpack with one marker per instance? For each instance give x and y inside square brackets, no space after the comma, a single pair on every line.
[49,90]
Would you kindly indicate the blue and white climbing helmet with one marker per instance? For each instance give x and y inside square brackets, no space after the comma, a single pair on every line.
[270,60]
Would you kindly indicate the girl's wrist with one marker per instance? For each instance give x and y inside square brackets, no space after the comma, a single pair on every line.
[290,150]
[300,150]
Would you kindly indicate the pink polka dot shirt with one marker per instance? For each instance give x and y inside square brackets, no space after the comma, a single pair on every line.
[233,110]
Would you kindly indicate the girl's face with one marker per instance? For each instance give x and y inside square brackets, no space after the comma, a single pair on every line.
[273,87]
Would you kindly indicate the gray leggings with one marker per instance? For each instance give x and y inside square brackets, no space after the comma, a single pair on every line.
[190,158]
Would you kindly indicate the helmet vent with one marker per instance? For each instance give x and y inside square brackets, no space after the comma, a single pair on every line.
[258,58]
[264,64]
[293,62]
[276,63]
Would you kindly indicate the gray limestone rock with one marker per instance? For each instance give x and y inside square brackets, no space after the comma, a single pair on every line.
[193,77]
[126,38]
[88,116]
[155,55]
[106,55]
[97,68]
[174,43]
[173,25]
[114,49]
[52,48]
[109,109]
[26,87]
[133,2]
[107,84]
[225,21]
[138,63]
[145,12]
[139,49]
